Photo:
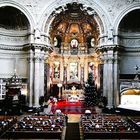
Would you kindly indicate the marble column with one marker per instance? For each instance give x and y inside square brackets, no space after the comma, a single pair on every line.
[65,76]
[110,79]
[116,80]
[36,76]
[82,74]
[105,74]
[86,70]
[42,73]
[48,81]
[30,78]
[79,71]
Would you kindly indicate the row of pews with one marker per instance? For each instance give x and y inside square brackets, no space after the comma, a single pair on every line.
[6,122]
[109,126]
[38,127]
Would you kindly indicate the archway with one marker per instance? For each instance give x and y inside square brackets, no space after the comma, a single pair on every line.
[74,38]
[13,19]
[14,28]
[128,30]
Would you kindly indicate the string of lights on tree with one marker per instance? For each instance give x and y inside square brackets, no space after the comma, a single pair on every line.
[90,91]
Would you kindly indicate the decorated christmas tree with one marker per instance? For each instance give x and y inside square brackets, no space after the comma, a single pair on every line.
[90,91]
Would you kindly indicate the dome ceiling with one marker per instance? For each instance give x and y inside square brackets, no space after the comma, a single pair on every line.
[74,23]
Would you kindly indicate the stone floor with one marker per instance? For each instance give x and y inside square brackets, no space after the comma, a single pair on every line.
[74,118]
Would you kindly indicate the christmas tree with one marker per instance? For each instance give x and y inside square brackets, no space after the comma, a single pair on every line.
[90,91]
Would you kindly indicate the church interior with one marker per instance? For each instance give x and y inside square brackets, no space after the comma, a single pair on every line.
[69,69]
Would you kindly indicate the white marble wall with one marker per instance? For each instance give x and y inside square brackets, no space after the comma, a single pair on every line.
[128,62]
[11,61]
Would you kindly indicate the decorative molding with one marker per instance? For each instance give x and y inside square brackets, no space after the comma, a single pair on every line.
[110,59]
[131,49]
[30,59]
[130,42]
[106,48]
[11,47]
[129,35]
[14,33]
[37,59]
[33,46]
[9,75]
[13,37]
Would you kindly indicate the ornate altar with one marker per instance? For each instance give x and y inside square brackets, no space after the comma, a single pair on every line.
[73,95]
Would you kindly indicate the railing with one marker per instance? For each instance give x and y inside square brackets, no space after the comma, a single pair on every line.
[129,84]
[80,50]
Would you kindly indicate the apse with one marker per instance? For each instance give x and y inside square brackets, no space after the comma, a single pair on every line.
[130,22]
[73,22]
[12,18]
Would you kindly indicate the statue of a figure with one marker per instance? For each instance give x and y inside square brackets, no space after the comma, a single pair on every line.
[37,33]
[110,34]
[92,42]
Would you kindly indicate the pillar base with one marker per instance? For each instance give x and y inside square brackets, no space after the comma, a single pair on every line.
[109,110]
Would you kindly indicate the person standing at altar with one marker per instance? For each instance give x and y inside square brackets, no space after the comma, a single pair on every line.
[55,100]
[48,106]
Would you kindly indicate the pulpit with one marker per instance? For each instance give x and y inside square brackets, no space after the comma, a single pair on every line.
[12,100]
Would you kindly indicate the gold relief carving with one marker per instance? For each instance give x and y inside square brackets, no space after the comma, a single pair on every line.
[82,65]
[86,27]
[65,65]
[74,29]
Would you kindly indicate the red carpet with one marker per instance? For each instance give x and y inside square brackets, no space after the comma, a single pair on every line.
[67,107]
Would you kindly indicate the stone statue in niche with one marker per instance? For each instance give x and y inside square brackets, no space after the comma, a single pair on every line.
[56,70]
[92,42]
[55,42]
[74,70]
[91,67]
[37,34]
[110,34]
[74,43]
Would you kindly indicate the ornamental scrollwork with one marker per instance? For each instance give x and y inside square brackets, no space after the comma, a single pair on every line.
[37,59]
[30,59]
[110,60]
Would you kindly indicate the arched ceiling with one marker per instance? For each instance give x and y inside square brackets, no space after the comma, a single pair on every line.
[73,22]
[12,18]
[131,22]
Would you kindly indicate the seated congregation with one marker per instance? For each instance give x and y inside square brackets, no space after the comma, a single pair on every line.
[34,126]
[110,126]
